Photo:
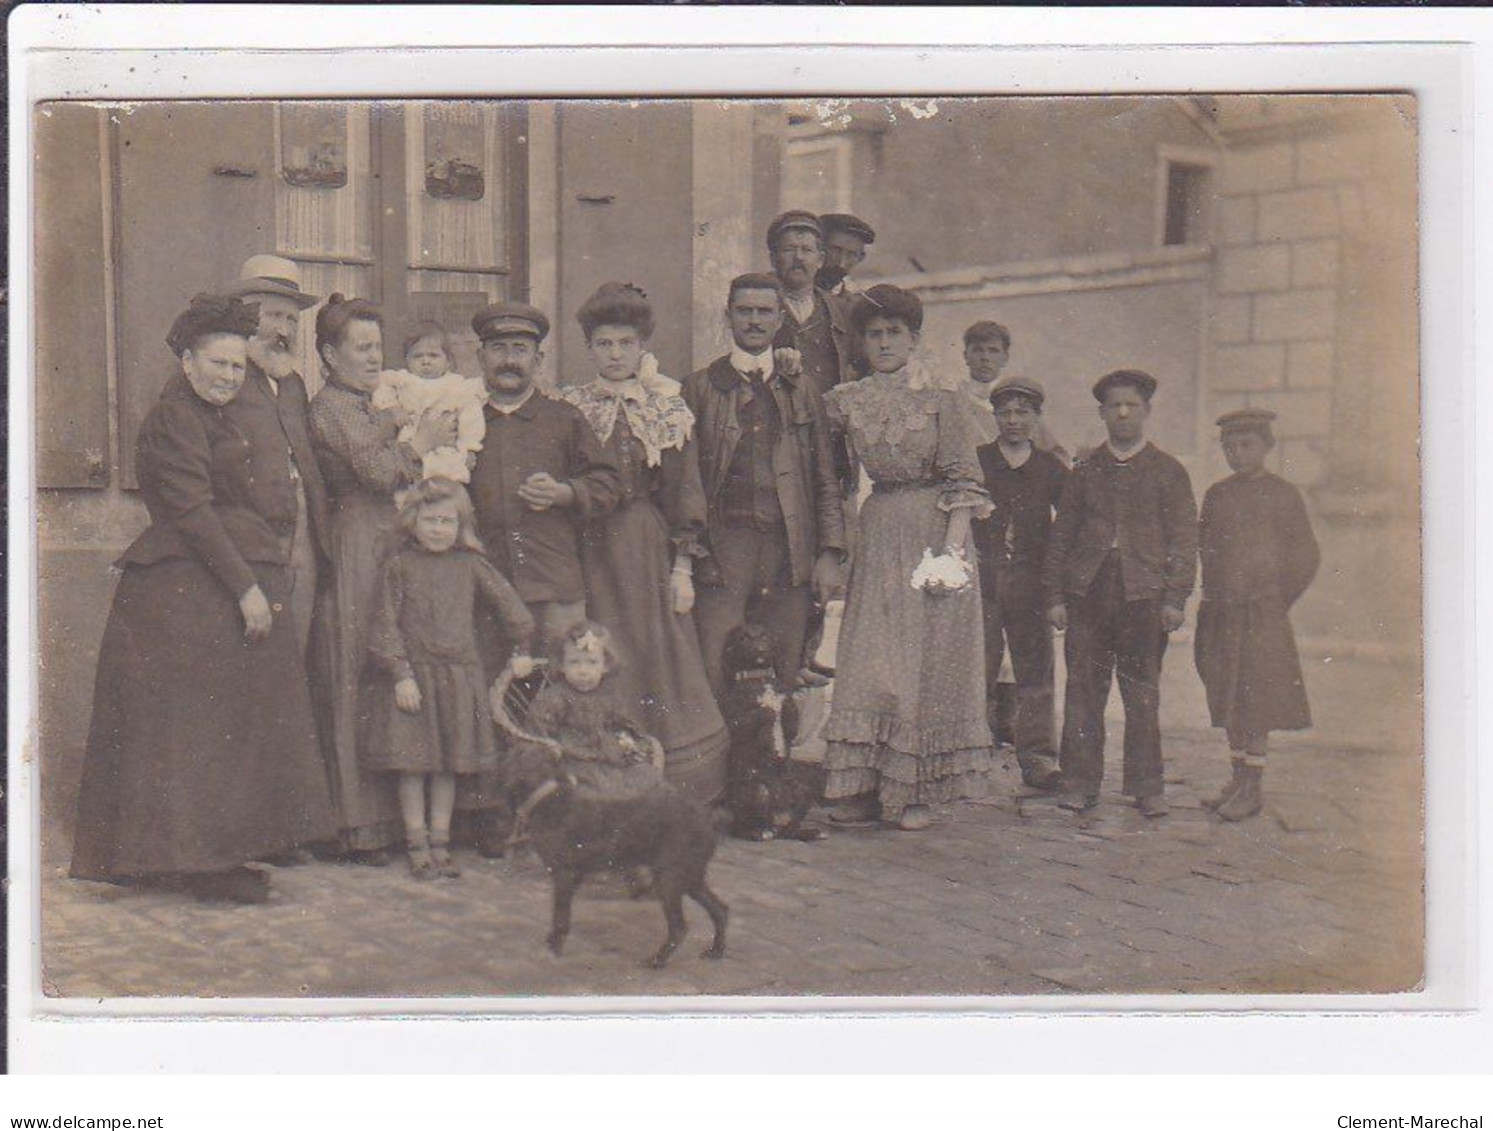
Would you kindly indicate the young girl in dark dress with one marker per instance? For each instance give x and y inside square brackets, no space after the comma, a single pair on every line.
[430,720]
[1258,556]
[586,710]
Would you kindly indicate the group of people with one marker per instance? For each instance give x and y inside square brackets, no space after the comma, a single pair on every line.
[333,588]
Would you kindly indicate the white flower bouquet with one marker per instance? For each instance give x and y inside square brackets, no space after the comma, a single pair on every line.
[948,572]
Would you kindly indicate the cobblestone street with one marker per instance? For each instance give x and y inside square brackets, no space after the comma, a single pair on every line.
[1011,895]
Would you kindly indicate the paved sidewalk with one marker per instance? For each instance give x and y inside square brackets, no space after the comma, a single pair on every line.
[1012,895]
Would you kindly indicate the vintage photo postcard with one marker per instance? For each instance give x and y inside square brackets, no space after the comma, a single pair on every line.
[728,548]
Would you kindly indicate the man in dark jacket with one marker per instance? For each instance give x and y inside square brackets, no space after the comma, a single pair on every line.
[1121,563]
[541,474]
[814,323]
[774,517]
[1025,484]
[270,411]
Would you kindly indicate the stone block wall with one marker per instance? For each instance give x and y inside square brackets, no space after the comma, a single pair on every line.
[1274,311]
[1314,233]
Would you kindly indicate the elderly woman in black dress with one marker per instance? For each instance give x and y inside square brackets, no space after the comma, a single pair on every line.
[364,464]
[201,750]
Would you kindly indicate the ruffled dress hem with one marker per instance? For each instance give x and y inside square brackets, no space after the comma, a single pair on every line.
[905,764]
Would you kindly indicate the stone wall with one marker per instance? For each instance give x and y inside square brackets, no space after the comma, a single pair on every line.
[1314,230]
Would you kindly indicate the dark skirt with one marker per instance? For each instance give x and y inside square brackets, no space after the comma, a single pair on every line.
[451,733]
[202,750]
[1246,655]
[367,803]
[628,559]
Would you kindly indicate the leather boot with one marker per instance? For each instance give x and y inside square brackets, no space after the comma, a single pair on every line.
[1248,799]
[1231,788]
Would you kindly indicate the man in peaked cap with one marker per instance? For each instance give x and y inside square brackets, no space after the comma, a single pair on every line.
[540,476]
[271,412]
[1121,563]
[1025,483]
[846,238]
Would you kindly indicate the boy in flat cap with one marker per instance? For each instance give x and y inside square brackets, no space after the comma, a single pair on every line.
[1259,555]
[846,238]
[1025,484]
[1120,566]
[987,350]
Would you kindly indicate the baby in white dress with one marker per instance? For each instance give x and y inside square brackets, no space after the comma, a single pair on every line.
[429,386]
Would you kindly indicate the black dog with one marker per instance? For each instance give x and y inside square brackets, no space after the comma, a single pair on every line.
[767,793]
[576,835]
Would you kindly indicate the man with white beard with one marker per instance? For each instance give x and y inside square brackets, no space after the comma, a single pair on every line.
[270,411]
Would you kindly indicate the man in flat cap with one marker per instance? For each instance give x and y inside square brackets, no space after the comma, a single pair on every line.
[1025,484]
[271,412]
[1121,563]
[846,238]
[816,325]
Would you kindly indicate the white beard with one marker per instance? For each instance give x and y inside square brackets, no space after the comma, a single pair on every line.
[277,364]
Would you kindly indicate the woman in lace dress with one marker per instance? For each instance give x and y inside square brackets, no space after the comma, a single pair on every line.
[907,725]
[639,559]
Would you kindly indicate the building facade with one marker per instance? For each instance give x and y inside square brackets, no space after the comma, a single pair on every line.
[1247,251]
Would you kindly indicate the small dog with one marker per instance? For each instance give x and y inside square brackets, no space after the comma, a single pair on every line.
[768,794]
[574,836]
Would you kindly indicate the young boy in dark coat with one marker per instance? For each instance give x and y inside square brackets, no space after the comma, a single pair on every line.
[1025,483]
[1120,566]
[1259,555]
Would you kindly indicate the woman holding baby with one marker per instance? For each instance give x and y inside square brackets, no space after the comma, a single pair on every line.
[364,462]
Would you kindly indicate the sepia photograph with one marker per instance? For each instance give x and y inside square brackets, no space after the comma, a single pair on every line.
[681,549]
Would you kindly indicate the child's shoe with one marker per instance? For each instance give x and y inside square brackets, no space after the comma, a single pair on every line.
[440,857]
[1235,779]
[422,864]
[1248,799]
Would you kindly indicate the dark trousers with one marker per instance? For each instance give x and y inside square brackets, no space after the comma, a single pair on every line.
[1109,636]
[755,577]
[1016,617]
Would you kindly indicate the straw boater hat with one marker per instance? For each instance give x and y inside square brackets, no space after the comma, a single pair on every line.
[272,275]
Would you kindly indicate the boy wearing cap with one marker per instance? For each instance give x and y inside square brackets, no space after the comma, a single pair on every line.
[987,349]
[1259,555]
[1121,563]
[1025,484]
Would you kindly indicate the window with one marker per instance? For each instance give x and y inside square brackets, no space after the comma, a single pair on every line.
[816,173]
[1186,187]
[1184,195]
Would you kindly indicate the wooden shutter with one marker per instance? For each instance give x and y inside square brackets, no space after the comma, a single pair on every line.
[72,337]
